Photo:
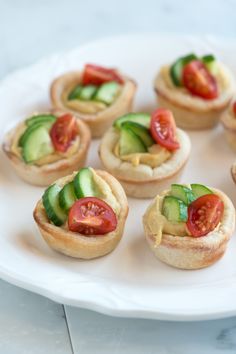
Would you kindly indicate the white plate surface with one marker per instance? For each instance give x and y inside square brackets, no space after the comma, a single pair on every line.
[130,281]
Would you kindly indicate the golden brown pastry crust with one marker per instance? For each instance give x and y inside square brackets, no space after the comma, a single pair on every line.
[193,112]
[46,174]
[196,252]
[77,245]
[228,121]
[97,122]
[143,181]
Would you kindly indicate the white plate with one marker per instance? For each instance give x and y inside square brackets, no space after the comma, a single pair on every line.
[129,281]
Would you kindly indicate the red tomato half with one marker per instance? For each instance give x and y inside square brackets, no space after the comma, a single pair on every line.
[234,108]
[199,81]
[163,129]
[204,214]
[97,75]
[63,131]
[91,216]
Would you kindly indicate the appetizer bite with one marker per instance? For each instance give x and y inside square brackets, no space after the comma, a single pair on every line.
[83,215]
[97,95]
[229,123]
[145,152]
[196,90]
[46,146]
[189,226]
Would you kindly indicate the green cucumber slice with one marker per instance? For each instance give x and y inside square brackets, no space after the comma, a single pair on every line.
[41,118]
[107,92]
[177,68]
[87,92]
[140,118]
[210,63]
[200,190]
[174,209]
[32,127]
[36,144]
[183,193]
[84,184]
[51,205]
[75,93]
[67,196]
[141,131]
[130,143]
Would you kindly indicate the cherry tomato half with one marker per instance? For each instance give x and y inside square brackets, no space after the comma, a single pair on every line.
[97,75]
[204,214]
[234,108]
[63,131]
[163,129]
[199,81]
[91,216]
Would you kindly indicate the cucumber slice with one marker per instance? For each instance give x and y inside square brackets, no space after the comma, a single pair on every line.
[84,184]
[210,63]
[41,118]
[183,193]
[174,209]
[177,68]
[107,92]
[130,143]
[142,132]
[75,93]
[200,190]
[31,128]
[87,92]
[140,118]
[36,144]
[51,205]
[67,196]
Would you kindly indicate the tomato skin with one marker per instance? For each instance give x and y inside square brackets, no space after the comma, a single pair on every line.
[163,129]
[98,75]
[91,216]
[63,131]
[199,81]
[204,214]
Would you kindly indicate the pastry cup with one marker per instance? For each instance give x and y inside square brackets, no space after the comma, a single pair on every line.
[143,181]
[97,122]
[228,121]
[193,112]
[46,174]
[187,252]
[75,244]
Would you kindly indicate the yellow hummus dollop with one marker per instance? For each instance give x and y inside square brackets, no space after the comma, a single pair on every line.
[156,224]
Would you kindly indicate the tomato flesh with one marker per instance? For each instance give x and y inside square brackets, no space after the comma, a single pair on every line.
[163,129]
[63,132]
[234,108]
[98,75]
[91,216]
[204,214]
[199,81]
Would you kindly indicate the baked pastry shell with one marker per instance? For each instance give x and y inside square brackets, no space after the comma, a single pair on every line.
[97,122]
[143,181]
[229,123]
[196,252]
[192,112]
[75,244]
[46,174]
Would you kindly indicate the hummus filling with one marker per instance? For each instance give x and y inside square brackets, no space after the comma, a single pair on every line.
[220,77]
[87,107]
[50,158]
[156,224]
[155,156]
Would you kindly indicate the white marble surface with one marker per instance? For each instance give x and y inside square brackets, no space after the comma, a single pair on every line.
[29,30]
